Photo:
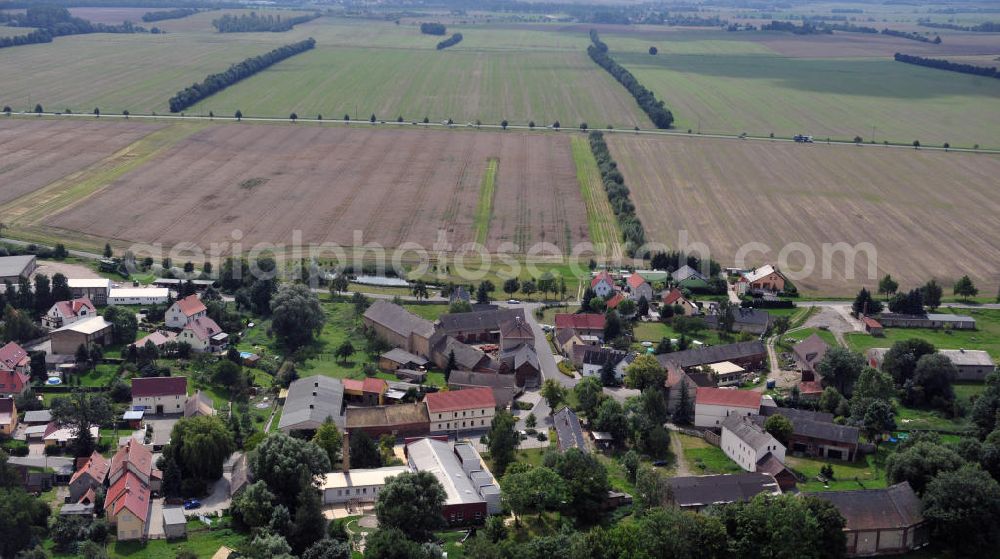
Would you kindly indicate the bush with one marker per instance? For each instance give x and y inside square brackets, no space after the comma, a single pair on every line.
[193,487]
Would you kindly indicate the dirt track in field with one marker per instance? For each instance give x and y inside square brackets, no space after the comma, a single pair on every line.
[331,184]
[38,153]
[928,214]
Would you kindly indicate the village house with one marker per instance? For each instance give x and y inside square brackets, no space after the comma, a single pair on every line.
[68,312]
[61,436]
[88,477]
[127,507]
[310,401]
[522,362]
[483,327]
[185,310]
[504,387]
[639,288]
[970,364]
[727,373]
[569,432]
[94,330]
[687,277]
[713,405]
[134,458]
[615,300]
[696,493]
[15,367]
[460,411]
[596,358]
[94,289]
[399,327]
[815,434]
[676,377]
[584,324]
[199,404]
[159,339]
[13,268]
[749,355]
[603,284]
[8,416]
[471,493]
[747,444]
[750,321]
[565,340]
[368,392]
[516,332]
[808,353]
[204,336]
[398,420]
[886,521]
[675,298]
[357,486]
[766,279]
[159,395]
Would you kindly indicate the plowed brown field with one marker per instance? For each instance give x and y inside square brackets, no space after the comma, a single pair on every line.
[389,186]
[928,214]
[38,153]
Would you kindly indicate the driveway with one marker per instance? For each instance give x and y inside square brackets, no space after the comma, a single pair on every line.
[216,502]
[154,528]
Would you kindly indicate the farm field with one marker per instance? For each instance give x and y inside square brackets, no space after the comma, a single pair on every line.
[717,84]
[388,186]
[727,193]
[37,153]
[114,16]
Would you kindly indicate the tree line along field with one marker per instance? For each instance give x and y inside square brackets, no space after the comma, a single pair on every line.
[390,186]
[715,83]
[928,214]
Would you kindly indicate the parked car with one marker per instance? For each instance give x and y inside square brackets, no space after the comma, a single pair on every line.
[513,302]
[192,504]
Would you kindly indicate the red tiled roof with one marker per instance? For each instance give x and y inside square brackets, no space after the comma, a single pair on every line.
[871,322]
[604,275]
[454,400]
[190,305]
[159,386]
[129,492]
[96,466]
[728,397]
[635,280]
[203,328]
[133,453]
[72,308]
[810,387]
[12,356]
[353,385]
[13,382]
[672,296]
[587,321]
[616,300]
[374,385]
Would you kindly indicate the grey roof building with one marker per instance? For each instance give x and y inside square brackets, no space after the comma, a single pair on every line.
[569,433]
[741,353]
[37,417]
[880,521]
[753,321]
[13,268]
[698,492]
[310,401]
[174,522]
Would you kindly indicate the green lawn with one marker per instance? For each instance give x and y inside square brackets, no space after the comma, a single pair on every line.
[484,208]
[703,458]
[714,83]
[203,543]
[913,418]
[601,221]
[986,337]
[655,331]
[101,375]
[860,474]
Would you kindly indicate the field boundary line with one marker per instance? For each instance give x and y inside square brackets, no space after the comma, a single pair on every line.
[484,206]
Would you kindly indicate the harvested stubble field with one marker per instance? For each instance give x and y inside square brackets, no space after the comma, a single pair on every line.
[928,214]
[393,186]
[36,153]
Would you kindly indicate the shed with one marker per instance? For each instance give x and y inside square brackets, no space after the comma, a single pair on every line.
[174,523]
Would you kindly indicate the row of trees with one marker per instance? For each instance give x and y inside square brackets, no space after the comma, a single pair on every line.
[984,27]
[618,194]
[433,28]
[787,26]
[450,41]
[941,64]
[36,36]
[217,82]
[911,36]
[50,21]
[176,13]
[252,22]
[913,301]
[658,113]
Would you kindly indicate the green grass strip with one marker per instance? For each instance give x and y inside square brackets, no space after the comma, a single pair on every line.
[484,208]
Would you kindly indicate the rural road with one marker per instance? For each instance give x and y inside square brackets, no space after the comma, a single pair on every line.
[655,132]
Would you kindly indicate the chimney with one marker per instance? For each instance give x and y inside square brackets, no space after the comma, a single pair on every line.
[346,450]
